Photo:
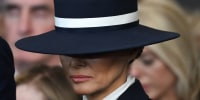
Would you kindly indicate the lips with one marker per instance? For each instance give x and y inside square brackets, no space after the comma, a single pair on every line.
[80,78]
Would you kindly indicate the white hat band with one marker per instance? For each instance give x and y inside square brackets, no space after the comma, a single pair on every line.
[96,22]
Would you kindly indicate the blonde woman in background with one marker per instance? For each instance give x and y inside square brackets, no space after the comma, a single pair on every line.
[167,71]
[44,83]
[194,20]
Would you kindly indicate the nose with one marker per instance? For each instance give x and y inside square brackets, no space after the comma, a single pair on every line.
[135,70]
[78,63]
[25,24]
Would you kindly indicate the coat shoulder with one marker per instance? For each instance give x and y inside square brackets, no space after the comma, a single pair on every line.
[134,92]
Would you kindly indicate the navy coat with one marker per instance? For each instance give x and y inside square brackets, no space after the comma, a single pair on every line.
[134,92]
[7,83]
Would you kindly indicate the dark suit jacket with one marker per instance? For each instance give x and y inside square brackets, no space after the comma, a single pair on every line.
[134,92]
[7,83]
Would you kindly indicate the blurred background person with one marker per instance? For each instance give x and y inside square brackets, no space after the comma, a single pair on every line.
[194,21]
[25,18]
[7,83]
[195,32]
[1,20]
[44,83]
[170,70]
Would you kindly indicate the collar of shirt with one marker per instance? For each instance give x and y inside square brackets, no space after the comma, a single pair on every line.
[119,91]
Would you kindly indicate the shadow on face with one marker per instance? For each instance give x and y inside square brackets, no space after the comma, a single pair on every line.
[97,73]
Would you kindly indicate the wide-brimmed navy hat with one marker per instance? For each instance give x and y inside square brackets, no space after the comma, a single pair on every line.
[94,26]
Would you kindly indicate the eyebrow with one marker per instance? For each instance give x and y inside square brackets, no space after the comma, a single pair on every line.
[40,8]
[9,7]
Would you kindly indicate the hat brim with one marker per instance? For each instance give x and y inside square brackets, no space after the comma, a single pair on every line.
[77,43]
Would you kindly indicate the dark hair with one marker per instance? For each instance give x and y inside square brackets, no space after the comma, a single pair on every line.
[139,52]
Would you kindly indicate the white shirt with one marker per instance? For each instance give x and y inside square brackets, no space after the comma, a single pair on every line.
[119,91]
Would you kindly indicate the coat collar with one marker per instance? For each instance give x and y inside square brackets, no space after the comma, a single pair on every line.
[134,92]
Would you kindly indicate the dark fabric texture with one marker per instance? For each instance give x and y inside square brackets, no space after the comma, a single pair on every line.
[7,83]
[135,92]
[93,8]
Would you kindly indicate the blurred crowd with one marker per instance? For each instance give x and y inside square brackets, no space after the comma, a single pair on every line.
[167,71]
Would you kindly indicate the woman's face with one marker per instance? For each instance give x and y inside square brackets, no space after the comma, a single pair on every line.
[96,74]
[154,75]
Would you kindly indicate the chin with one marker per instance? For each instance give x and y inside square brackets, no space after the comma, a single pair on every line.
[152,96]
[83,89]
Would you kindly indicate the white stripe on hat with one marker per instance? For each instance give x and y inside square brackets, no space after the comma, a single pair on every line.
[96,22]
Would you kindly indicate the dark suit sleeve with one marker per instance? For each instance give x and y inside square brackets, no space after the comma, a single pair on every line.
[7,83]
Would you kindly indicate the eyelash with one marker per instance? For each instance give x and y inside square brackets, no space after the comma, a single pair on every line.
[147,62]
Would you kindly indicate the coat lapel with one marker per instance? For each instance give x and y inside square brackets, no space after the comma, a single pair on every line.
[134,92]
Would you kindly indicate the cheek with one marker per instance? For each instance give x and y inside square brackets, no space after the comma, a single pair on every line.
[108,71]
[65,63]
[162,79]
[166,79]
[103,76]
[163,75]
[11,30]
[11,27]
[40,27]
[66,69]
[108,76]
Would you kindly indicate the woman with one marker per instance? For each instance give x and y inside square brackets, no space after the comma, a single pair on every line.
[97,46]
[99,74]
[44,83]
[194,27]
[168,70]
[7,83]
